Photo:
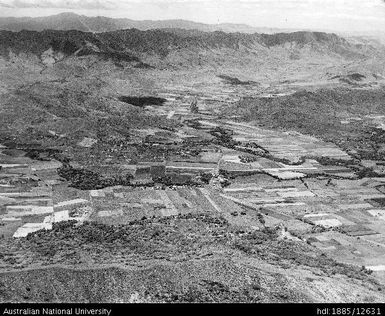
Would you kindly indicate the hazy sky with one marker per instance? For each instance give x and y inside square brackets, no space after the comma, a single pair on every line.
[338,15]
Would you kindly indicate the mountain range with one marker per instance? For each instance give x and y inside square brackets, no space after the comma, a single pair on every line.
[72,21]
[181,45]
[164,43]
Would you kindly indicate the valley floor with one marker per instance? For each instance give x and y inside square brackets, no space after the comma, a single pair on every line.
[258,201]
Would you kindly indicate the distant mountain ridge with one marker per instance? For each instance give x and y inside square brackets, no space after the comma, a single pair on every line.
[164,41]
[179,48]
[72,21]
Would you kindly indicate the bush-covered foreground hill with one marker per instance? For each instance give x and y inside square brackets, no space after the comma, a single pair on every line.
[185,258]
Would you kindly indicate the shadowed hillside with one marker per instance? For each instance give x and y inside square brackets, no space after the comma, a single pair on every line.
[162,43]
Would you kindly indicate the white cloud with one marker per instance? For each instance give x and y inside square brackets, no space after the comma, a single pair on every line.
[59,4]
